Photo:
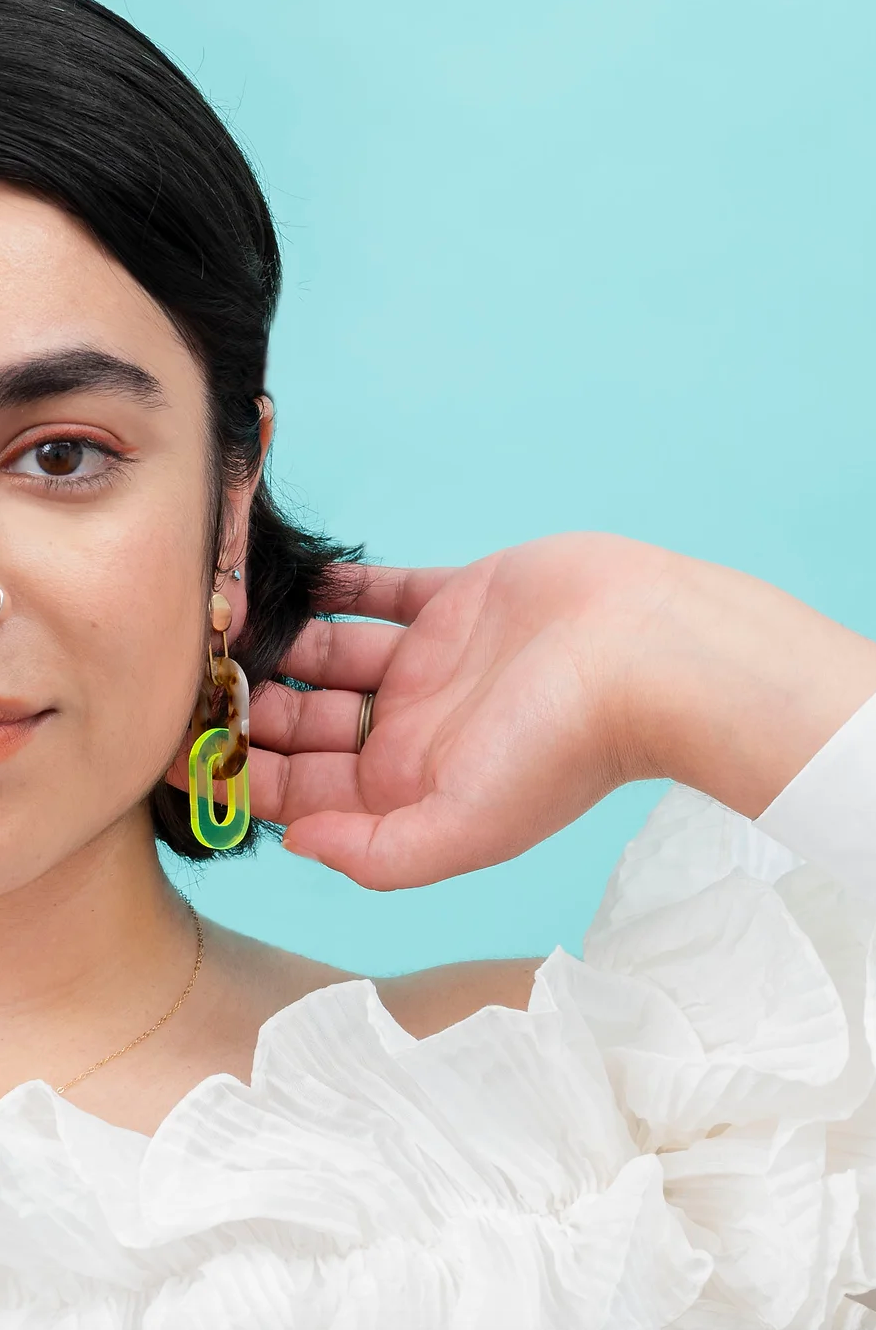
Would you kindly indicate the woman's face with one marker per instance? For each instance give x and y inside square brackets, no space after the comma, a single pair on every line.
[103,537]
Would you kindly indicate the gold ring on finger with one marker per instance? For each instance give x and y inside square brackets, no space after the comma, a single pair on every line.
[364,720]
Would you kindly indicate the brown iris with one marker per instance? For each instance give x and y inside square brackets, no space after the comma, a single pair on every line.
[60,457]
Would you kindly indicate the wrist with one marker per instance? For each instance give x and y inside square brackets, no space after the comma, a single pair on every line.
[734,685]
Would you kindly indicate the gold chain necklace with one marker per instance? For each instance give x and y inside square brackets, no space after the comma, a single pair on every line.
[61,1089]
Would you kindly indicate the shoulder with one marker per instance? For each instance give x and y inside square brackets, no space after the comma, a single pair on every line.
[426,1001]
[423,1001]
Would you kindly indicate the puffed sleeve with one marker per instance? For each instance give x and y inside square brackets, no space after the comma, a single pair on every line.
[827,813]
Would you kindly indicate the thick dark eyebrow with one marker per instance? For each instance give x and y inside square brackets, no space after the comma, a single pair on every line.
[76,370]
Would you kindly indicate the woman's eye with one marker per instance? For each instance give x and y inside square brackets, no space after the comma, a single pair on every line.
[77,461]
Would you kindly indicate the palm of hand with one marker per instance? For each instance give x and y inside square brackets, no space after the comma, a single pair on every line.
[484,702]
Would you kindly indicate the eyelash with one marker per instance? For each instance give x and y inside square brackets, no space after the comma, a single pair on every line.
[56,483]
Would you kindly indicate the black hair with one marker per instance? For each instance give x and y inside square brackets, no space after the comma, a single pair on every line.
[96,119]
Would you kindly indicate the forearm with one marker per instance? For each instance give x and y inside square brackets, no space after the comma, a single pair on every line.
[741,684]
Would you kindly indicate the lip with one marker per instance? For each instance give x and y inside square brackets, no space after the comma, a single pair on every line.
[14,733]
[15,708]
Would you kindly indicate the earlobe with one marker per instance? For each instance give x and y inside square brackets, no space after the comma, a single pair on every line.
[234,590]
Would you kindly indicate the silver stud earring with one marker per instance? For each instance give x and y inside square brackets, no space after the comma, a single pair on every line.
[235,576]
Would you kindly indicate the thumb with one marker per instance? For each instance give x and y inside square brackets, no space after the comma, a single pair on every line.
[412,846]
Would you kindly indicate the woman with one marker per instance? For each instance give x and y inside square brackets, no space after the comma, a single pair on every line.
[197,1129]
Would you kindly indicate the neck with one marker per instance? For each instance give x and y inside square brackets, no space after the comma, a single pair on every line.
[87,950]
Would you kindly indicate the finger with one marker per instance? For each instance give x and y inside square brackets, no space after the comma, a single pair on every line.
[289,720]
[283,789]
[342,655]
[412,846]
[395,594]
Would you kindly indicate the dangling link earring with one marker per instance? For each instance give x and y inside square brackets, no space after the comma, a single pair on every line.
[220,753]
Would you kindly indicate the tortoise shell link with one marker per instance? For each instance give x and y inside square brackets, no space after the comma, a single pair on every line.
[228,675]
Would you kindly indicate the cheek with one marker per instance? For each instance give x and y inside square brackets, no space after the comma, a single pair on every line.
[126,620]
[143,639]
[114,633]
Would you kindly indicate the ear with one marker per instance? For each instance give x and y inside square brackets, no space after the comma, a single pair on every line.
[240,502]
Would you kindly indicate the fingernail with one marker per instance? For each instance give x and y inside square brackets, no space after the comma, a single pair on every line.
[300,850]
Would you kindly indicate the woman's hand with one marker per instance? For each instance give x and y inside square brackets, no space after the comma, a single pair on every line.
[494,723]
[516,692]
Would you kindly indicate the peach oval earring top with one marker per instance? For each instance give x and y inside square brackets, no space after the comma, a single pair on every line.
[220,612]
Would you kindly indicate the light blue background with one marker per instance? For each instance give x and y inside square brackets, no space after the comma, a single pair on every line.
[554,266]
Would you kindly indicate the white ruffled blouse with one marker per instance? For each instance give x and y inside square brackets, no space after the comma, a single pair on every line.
[680,1131]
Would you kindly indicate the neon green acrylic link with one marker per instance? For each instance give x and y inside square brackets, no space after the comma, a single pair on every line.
[205,754]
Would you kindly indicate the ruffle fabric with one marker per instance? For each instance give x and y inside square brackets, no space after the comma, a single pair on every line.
[680,1132]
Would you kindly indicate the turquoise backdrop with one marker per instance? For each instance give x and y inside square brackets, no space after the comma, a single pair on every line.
[554,266]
